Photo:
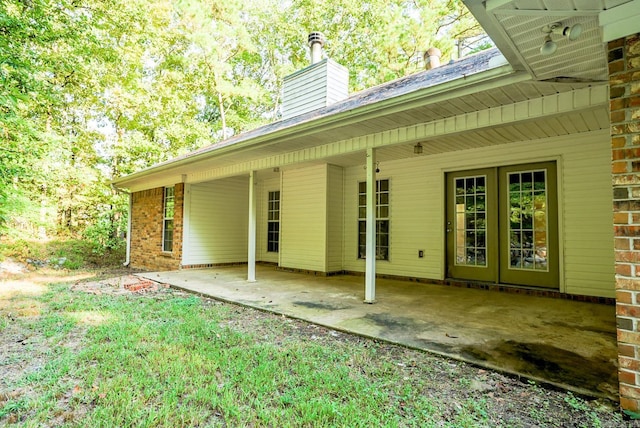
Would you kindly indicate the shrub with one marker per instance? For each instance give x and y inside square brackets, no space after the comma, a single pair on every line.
[104,234]
[60,253]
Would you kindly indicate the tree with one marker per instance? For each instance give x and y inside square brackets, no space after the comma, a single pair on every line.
[378,40]
[31,70]
[93,89]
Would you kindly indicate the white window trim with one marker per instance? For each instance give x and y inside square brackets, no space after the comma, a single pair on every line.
[165,198]
[378,217]
[269,221]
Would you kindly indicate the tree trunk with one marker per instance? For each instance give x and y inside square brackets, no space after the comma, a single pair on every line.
[223,117]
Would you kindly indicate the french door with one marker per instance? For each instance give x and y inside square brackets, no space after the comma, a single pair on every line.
[502,225]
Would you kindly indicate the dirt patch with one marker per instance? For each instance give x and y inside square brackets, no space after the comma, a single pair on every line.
[12,267]
[557,365]
[120,285]
[19,346]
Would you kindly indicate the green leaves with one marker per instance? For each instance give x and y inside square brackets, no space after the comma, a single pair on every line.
[378,40]
[93,89]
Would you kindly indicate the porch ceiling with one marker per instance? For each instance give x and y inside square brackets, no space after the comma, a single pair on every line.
[516,28]
[428,112]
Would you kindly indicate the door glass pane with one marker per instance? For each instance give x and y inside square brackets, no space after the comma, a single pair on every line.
[470,221]
[528,212]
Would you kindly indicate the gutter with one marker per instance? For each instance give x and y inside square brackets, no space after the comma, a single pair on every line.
[434,93]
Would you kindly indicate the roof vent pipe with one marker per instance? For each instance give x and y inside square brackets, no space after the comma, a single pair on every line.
[432,58]
[316,41]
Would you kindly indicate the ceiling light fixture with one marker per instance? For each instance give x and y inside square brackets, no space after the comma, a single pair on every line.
[573,32]
[417,149]
[549,47]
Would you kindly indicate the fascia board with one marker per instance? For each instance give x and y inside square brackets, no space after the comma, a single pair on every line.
[620,21]
[481,10]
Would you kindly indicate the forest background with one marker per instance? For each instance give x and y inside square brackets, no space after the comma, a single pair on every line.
[95,89]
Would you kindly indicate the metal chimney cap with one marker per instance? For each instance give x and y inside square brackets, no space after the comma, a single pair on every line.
[432,58]
[433,52]
[316,37]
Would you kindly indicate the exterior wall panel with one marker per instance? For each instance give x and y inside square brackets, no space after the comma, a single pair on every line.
[414,213]
[218,229]
[335,221]
[303,218]
[314,87]
[146,230]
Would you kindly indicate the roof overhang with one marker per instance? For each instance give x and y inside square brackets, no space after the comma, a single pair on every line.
[620,21]
[509,110]
[329,127]
[516,27]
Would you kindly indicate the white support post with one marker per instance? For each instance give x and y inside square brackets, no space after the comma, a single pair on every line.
[127,261]
[251,268]
[370,264]
[186,224]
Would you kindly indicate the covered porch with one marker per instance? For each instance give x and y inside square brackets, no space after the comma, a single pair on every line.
[566,343]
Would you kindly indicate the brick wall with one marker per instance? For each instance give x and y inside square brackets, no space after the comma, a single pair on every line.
[146,230]
[624,80]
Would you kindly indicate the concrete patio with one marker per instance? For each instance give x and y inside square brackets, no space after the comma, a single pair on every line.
[565,343]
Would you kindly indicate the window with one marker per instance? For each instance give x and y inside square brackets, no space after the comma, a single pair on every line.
[382,220]
[273,222]
[528,220]
[470,220]
[167,223]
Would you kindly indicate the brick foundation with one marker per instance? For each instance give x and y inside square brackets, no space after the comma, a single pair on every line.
[624,80]
[146,230]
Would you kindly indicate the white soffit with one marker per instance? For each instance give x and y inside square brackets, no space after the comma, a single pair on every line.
[516,27]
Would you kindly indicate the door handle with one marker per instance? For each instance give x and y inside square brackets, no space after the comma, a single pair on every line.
[448,226]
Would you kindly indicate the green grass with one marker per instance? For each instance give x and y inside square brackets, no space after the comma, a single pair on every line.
[173,359]
[171,363]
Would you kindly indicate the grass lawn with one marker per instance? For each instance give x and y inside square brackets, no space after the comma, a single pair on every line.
[169,359]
